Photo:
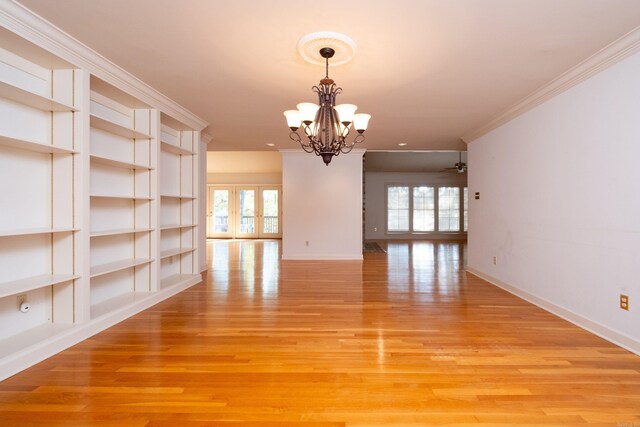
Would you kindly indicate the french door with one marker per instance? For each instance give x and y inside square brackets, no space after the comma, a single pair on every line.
[270,209]
[220,210]
[244,212]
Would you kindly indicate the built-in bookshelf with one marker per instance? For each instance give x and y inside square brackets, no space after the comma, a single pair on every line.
[122,180]
[99,201]
[39,218]
[178,204]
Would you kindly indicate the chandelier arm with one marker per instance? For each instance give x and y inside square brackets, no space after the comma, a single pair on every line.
[346,149]
[295,137]
[357,140]
[307,148]
[346,132]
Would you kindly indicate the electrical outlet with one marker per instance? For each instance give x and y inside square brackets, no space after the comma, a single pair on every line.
[375,228]
[624,302]
[495,260]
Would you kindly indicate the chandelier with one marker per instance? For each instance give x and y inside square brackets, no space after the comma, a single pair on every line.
[326,125]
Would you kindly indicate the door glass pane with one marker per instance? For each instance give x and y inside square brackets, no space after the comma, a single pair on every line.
[423,209]
[270,211]
[247,211]
[449,209]
[221,211]
[398,208]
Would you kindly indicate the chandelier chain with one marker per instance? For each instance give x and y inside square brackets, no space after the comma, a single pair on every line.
[327,68]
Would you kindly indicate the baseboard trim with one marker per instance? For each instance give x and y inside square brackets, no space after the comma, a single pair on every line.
[595,328]
[37,352]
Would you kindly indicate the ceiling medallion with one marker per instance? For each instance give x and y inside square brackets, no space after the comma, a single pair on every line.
[326,125]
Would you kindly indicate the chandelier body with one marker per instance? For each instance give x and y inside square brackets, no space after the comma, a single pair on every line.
[326,125]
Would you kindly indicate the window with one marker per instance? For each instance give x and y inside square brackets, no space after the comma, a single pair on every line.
[425,209]
[398,208]
[465,203]
[448,209]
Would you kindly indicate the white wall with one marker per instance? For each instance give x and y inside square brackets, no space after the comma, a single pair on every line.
[374,196]
[244,167]
[244,178]
[244,162]
[322,205]
[560,203]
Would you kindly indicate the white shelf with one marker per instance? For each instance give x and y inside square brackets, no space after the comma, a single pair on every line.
[37,335]
[35,282]
[175,196]
[167,146]
[112,267]
[175,226]
[178,279]
[118,163]
[114,196]
[38,147]
[30,99]
[32,231]
[173,252]
[116,129]
[116,303]
[116,232]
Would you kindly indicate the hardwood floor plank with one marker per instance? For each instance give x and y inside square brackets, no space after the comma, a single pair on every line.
[404,338]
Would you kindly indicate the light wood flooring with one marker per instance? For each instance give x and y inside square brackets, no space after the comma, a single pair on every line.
[405,338]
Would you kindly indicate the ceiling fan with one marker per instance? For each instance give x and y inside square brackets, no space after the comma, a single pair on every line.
[460,167]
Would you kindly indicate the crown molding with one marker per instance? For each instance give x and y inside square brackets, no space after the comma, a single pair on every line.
[613,53]
[205,137]
[25,23]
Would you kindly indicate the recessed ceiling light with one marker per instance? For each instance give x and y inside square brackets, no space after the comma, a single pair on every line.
[271,145]
[402,144]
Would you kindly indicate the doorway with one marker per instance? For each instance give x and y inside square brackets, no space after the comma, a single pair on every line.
[241,211]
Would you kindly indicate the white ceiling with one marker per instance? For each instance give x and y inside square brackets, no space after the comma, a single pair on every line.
[428,71]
